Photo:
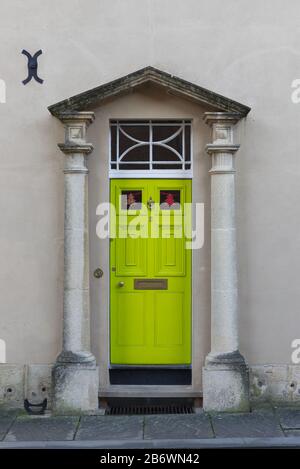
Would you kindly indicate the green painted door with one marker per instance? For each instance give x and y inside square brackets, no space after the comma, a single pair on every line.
[150,283]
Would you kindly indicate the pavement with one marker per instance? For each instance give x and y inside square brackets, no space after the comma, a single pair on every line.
[264,427]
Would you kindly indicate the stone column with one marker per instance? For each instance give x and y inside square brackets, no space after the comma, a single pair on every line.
[75,375]
[225,375]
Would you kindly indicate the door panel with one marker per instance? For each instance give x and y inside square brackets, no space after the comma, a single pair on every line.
[131,310]
[150,326]
[132,257]
[169,257]
[169,326]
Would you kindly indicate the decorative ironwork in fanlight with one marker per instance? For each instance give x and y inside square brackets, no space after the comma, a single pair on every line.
[154,145]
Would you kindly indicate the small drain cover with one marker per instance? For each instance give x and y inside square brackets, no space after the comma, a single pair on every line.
[149,409]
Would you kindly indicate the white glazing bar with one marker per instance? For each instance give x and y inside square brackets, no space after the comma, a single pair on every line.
[147,162]
[109,147]
[145,124]
[151,148]
[118,149]
[183,145]
[130,149]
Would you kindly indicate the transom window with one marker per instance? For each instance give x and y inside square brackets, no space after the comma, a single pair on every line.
[150,145]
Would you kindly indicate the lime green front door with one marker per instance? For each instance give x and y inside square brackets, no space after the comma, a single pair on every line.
[150,282]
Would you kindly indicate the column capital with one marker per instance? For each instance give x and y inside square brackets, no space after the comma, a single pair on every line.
[76,124]
[211,118]
[222,149]
[75,146]
[80,117]
[222,124]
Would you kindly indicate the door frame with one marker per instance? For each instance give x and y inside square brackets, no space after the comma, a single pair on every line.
[142,390]
[193,390]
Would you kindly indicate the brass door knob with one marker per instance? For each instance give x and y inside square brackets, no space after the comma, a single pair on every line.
[121,284]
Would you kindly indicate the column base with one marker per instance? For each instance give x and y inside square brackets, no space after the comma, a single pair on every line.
[226,383]
[75,388]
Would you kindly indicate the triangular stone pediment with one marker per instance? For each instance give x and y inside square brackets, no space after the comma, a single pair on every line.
[93,98]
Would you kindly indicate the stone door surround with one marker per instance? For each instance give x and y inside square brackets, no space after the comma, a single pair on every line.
[75,374]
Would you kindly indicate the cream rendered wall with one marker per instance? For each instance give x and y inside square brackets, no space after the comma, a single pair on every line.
[248,51]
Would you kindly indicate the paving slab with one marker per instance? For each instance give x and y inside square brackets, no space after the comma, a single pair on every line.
[253,425]
[262,407]
[42,429]
[291,433]
[177,426]
[110,427]
[289,418]
[199,443]
[5,423]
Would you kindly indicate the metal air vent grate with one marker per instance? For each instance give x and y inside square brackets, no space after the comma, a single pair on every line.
[149,409]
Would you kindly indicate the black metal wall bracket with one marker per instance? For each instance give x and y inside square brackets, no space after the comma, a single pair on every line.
[38,409]
[32,66]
